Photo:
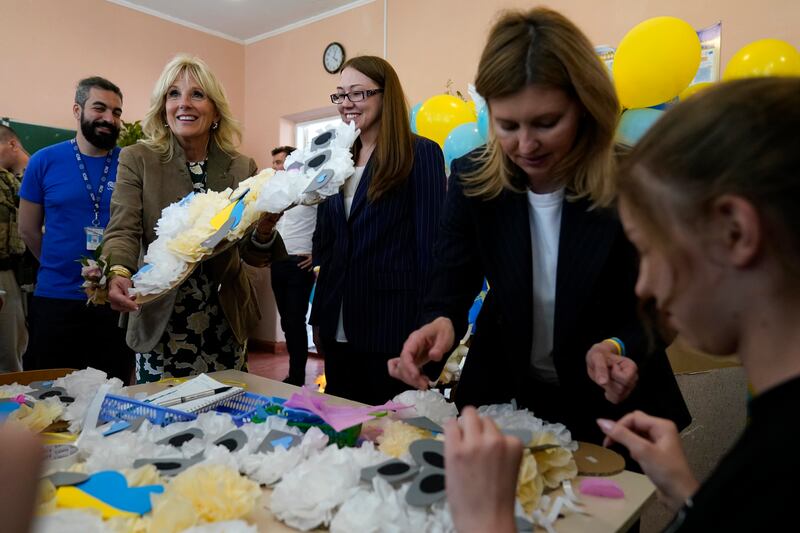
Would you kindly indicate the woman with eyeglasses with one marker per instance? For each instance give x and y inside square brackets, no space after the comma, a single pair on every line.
[559,330]
[373,240]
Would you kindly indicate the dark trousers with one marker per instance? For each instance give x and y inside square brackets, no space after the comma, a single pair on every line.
[359,376]
[71,334]
[292,287]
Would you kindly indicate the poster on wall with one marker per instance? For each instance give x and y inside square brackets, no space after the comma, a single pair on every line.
[606,54]
[710,61]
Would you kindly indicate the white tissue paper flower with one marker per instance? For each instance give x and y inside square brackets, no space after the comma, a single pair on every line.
[428,403]
[268,468]
[507,416]
[69,521]
[307,496]
[82,386]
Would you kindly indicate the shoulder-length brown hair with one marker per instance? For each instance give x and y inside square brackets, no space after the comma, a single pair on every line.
[159,137]
[393,156]
[543,47]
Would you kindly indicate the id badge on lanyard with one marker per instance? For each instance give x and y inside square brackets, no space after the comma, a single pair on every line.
[94,233]
[94,236]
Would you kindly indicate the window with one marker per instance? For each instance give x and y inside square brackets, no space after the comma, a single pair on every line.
[305,131]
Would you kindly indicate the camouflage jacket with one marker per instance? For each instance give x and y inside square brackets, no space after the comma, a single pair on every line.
[10,241]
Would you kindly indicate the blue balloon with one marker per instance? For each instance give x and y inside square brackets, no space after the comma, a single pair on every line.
[413,117]
[460,141]
[483,122]
[635,123]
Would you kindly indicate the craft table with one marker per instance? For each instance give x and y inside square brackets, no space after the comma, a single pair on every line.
[605,515]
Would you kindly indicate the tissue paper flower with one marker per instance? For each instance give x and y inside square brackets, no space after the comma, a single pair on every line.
[428,403]
[397,437]
[201,494]
[530,484]
[377,509]
[229,526]
[307,496]
[507,416]
[42,414]
[82,386]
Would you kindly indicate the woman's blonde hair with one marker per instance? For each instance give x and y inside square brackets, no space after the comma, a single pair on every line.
[543,47]
[393,156]
[159,137]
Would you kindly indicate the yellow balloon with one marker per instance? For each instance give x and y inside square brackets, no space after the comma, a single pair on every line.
[440,114]
[694,89]
[655,61]
[471,105]
[767,57]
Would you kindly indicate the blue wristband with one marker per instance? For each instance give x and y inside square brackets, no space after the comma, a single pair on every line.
[621,345]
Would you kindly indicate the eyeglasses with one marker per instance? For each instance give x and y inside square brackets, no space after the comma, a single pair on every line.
[354,96]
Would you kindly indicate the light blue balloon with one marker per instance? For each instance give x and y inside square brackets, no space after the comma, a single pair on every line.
[460,141]
[483,122]
[635,123]
[413,117]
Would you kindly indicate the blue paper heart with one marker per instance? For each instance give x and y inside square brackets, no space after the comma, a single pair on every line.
[112,488]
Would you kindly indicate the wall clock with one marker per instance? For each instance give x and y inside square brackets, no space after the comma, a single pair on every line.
[333,57]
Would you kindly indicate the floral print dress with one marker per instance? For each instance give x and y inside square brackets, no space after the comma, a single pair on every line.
[198,337]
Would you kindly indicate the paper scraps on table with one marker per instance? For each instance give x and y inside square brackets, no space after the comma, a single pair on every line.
[339,417]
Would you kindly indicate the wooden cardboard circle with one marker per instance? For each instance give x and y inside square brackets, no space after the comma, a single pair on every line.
[594,460]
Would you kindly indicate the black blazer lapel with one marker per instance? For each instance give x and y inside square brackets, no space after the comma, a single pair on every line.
[360,198]
[584,244]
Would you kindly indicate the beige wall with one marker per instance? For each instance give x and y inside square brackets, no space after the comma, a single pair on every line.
[48,45]
[273,83]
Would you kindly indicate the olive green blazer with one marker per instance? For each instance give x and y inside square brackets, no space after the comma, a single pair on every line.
[145,185]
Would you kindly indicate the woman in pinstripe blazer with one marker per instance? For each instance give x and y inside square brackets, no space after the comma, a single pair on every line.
[373,240]
[559,330]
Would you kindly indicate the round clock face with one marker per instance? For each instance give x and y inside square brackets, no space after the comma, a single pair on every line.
[333,57]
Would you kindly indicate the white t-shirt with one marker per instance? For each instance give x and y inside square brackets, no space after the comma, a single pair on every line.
[296,227]
[544,215]
[349,192]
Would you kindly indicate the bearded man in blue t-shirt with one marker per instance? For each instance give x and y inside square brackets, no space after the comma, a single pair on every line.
[64,208]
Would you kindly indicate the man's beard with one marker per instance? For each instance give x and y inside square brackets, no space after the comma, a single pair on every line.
[103,141]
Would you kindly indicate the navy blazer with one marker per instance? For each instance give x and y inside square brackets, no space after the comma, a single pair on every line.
[595,299]
[376,262]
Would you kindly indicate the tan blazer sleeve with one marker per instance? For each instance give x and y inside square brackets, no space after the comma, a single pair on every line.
[123,236]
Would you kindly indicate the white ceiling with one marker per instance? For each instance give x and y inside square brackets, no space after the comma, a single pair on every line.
[243,21]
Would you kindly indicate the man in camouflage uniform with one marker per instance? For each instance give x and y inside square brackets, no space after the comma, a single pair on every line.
[13,333]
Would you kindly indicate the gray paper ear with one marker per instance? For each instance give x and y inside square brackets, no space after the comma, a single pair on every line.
[182,437]
[523,524]
[65,479]
[316,161]
[233,440]
[320,180]
[526,436]
[323,140]
[427,488]
[278,439]
[393,471]
[297,165]
[169,466]
[423,422]
[57,392]
[428,453]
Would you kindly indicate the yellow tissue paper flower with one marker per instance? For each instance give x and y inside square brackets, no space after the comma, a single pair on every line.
[42,414]
[46,497]
[144,475]
[201,494]
[397,437]
[529,483]
[544,469]
[129,524]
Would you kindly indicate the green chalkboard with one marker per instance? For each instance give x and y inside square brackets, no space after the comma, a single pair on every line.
[35,137]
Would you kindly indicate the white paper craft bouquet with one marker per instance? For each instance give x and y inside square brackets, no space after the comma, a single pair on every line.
[202,224]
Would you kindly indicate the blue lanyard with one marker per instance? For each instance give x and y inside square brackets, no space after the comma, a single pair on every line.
[94,197]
